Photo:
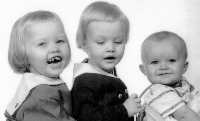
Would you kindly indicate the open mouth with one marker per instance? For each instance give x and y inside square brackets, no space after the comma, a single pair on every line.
[54,60]
[110,58]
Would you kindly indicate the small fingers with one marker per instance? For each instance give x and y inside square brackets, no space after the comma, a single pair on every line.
[137,100]
[140,108]
[134,96]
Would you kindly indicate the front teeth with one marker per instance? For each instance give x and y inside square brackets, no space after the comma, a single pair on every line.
[54,60]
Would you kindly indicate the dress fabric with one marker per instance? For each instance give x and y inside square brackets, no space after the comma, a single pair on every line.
[40,98]
[97,95]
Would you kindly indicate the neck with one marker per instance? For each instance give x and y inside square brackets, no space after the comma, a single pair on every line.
[174,85]
[110,71]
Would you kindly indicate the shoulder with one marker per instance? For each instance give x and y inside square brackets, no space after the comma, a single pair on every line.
[96,83]
[96,80]
[44,91]
[88,79]
[42,96]
[156,91]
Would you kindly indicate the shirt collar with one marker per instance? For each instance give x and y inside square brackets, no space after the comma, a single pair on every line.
[28,82]
[84,67]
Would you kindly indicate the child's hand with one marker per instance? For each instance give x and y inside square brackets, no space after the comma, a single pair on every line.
[132,105]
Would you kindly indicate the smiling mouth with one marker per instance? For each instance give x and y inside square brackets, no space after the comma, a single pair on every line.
[54,60]
[163,74]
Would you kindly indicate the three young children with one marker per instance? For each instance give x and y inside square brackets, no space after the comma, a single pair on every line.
[39,50]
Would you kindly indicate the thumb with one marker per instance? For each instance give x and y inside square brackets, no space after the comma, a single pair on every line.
[134,96]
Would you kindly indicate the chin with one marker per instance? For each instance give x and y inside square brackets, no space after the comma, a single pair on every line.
[55,74]
[107,70]
[109,67]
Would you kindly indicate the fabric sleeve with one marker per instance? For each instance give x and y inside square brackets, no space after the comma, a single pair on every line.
[164,99]
[194,102]
[87,108]
[9,117]
[41,107]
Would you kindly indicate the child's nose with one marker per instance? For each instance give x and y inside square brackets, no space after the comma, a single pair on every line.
[55,49]
[164,66]
[111,47]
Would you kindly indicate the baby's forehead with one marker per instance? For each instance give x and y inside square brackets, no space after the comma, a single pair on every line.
[174,41]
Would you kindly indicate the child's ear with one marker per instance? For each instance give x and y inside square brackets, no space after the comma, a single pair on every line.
[84,47]
[185,66]
[142,69]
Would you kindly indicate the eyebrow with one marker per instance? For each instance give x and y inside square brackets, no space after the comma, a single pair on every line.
[102,37]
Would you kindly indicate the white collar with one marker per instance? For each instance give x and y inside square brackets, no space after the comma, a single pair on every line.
[80,68]
[28,82]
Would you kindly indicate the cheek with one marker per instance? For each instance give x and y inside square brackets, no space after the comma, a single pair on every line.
[121,50]
[66,51]
[32,53]
[94,55]
[87,48]
[38,57]
[151,72]
[30,56]
[178,68]
[67,56]
[33,60]
[95,52]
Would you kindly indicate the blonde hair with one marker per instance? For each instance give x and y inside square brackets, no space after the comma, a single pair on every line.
[99,11]
[163,36]
[16,53]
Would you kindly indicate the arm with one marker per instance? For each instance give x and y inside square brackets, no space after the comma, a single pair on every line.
[186,114]
[9,117]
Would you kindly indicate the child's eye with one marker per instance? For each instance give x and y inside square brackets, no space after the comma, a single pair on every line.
[154,62]
[119,42]
[60,41]
[172,60]
[100,43]
[42,44]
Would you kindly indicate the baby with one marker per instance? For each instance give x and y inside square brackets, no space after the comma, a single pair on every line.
[39,49]
[164,61]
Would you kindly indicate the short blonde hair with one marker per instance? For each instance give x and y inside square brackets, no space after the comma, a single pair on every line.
[16,53]
[163,36]
[99,11]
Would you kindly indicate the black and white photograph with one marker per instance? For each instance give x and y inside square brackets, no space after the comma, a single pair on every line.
[108,60]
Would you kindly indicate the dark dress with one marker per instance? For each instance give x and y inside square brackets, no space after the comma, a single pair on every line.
[48,101]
